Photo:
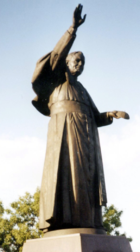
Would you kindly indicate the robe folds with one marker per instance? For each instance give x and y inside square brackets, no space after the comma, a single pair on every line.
[73,185]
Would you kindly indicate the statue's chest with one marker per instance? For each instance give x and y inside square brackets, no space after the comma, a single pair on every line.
[67,91]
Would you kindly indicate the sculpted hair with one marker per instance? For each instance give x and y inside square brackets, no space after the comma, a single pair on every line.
[72,54]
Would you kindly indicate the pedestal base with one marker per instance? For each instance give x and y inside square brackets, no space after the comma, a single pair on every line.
[78,243]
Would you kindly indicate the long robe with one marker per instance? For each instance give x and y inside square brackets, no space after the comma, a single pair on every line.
[73,186]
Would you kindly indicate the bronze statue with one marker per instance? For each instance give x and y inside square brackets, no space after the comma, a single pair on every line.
[73,186]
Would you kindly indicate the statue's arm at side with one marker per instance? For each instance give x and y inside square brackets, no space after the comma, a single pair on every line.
[103,119]
[106,118]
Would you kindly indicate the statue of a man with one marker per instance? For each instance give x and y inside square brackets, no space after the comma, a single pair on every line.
[73,186]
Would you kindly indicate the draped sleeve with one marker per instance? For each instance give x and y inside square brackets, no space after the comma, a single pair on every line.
[50,71]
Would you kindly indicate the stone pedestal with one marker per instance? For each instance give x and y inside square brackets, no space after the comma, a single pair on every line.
[78,243]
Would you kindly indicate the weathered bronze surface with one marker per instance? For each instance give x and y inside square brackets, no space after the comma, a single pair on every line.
[73,186]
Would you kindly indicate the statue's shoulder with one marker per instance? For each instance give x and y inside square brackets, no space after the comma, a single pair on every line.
[82,87]
[92,104]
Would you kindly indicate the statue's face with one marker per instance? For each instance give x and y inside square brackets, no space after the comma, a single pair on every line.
[76,64]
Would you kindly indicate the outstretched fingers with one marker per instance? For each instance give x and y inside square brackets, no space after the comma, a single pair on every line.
[80,7]
[84,18]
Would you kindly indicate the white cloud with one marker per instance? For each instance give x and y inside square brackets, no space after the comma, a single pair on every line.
[121,151]
[21,165]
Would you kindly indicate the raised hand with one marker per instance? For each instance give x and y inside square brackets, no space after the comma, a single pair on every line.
[77,20]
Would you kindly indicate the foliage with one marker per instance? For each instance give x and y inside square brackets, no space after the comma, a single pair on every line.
[20,222]
[111,221]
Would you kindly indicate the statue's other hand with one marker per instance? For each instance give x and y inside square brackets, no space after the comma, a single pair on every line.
[77,20]
[118,114]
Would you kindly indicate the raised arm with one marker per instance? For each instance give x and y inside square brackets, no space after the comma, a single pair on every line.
[62,48]
[55,60]
[43,76]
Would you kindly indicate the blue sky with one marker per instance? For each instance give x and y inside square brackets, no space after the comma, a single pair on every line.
[109,39]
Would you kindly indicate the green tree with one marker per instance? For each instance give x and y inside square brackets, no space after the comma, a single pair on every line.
[1,224]
[112,221]
[20,222]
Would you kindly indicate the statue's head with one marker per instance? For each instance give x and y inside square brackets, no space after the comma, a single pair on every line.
[75,62]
